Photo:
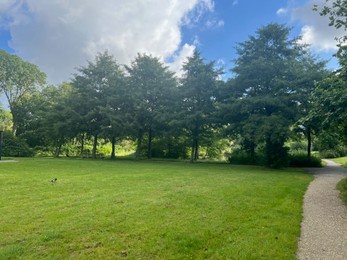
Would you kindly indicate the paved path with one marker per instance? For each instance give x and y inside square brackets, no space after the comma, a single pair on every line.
[3,161]
[324,227]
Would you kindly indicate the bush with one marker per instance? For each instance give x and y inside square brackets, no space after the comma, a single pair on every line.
[334,153]
[239,156]
[15,146]
[301,160]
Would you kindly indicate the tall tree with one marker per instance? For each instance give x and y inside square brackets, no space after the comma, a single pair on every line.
[57,119]
[309,71]
[331,95]
[198,96]
[91,85]
[116,109]
[150,84]
[18,79]
[264,104]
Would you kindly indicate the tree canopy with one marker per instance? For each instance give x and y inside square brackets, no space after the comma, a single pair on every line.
[18,80]
[279,94]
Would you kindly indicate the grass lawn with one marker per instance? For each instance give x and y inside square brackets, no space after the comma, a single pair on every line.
[342,160]
[342,185]
[148,210]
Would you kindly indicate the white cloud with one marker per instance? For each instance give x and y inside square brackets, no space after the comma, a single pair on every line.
[202,7]
[60,35]
[214,23]
[180,58]
[282,11]
[316,30]
[319,42]
[196,41]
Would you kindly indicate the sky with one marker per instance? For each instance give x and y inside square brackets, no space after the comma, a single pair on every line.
[61,35]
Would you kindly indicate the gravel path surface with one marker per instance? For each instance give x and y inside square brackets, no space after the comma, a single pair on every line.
[324,227]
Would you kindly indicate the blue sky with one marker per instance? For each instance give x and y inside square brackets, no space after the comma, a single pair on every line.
[59,36]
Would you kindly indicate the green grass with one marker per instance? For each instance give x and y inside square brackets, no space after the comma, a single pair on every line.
[342,185]
[148,210]
[341,160]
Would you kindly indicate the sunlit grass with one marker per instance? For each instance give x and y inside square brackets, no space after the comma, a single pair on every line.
[341,160]
[148,210]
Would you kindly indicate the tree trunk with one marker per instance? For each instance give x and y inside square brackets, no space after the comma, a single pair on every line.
[252,152]
[113,153]
[196,155]
[14,115]
[149,152]
[309,143]
[94,146]
[57,150]
[193,151]
[82,145]
[139,144]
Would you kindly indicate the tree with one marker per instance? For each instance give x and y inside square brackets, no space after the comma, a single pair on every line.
[57,119]
[337,12]
[265,91]
[198,96]
[116,109]
[18,79]
[331,95]
[151,85]
[91,85]
[5,120]
[309,71]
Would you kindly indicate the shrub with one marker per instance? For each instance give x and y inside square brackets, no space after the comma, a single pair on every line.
[15,146]
[301,160]
[238,156]
[334,153]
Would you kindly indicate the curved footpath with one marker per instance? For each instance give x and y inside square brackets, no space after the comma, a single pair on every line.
[324,227]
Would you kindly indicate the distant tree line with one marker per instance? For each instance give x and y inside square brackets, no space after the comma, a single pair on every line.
[279,94]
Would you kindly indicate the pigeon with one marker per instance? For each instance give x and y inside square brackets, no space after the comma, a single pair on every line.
[54,180]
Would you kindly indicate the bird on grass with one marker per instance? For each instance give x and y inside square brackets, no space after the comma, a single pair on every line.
[54,180]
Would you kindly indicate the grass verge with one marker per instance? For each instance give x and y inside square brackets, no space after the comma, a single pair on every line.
[148,210]
[342,185]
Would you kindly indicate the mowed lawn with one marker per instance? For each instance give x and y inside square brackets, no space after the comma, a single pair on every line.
[148,210]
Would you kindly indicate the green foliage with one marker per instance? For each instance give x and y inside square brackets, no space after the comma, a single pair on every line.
[276,155]
[15,146]
[297,146]
[330,145]
[336,10]
[168,117]
[170,147]
[330,97]
[301,160]
[165,210]
[240,156]
[151,98]
[92,88]
[5,120]
[18,80]
[271,81]
[198,96]
[333,153]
